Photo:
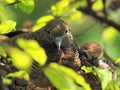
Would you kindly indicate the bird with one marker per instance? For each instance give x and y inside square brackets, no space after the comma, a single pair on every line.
[92,54]
[57,40]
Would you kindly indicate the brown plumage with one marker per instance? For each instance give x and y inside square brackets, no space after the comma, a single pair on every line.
[58,42]
[90,53]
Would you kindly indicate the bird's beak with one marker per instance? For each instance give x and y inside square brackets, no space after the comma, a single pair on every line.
[58,42]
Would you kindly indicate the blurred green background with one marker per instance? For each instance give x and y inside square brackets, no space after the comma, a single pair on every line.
[84,28]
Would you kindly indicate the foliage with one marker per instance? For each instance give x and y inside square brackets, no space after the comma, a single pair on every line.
[36,52]
[67,9]
[70,73]
[7,26]
[66,82]
[42,22]
[25,5]
[101,73]
[20,74]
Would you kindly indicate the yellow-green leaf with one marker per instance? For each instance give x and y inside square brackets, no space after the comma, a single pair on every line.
[59,7]
[7,26]
[6,81]
[87,69]
[34,50]
[2,52]
[20,59]
[98,5]
[26,5]
[110,34]
[10,1]
[42,21]
[117,61]
[19,74]
[78,78]
[60,79]
[3,13]
[105,76]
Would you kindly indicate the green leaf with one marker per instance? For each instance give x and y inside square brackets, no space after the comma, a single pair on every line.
[112,86]
[7,26]
[3,13]
[110,34]
[6,81]
[117,61]
[42,21]
[60,6]
[34,50]
[98,5]
[87,69]
[105,76]
[10,1]
[111,39]
[78,78]
[20,59]
[26,5]
[2,52]
[20,74]
[77,4]
[60,80]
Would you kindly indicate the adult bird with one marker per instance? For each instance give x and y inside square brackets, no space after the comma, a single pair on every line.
[56,39]
[58,42]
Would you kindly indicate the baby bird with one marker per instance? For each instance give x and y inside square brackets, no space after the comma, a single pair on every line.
[91,54]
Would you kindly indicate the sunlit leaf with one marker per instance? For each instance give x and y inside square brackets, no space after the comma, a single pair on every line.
[3,13]
[98,5]
[2,52]
[105,76]
[26,5]
[110,34]
[59,7]
[10,1]
[111,39]
[78,78]
[87,69]
[19,74]
[117,61]
[112,86]
[7,26]
[42,22]
[6,81]
[33,49]
[60,80]
[74,16]
[20,59]
[78,4]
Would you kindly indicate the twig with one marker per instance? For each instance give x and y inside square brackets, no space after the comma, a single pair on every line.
[98,15]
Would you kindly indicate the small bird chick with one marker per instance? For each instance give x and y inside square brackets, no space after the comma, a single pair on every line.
[91,54]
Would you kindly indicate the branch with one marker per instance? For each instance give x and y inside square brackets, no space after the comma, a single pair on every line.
[99,16]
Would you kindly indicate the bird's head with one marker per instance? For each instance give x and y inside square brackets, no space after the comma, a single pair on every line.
[91,51]
[58,30]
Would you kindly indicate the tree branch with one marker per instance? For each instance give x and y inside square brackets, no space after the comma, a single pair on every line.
[98,15]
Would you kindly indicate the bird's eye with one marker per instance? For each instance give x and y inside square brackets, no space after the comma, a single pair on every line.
[85,54]
[66,31]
